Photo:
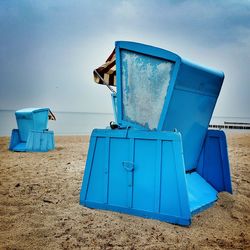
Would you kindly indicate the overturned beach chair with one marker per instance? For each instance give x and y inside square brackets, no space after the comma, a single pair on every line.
[160,161]
[32,133]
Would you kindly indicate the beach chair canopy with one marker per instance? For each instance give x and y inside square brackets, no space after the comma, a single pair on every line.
[51,116]
[106,73]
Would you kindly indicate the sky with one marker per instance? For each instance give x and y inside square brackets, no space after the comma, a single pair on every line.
[49,48]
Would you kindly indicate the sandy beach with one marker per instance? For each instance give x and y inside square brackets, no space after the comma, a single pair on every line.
[39,206]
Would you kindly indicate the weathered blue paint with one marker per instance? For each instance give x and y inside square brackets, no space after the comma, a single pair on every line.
[145,80]
[32,133]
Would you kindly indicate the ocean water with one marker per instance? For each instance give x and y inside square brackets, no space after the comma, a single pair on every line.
[82,123]
[67,123]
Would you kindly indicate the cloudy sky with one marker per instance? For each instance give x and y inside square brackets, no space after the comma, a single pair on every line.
[49,48]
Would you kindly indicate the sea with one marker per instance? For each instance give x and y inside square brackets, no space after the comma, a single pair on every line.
[67,123]
[82,123]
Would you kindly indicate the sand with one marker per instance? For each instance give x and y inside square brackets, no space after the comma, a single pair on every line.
[39,206]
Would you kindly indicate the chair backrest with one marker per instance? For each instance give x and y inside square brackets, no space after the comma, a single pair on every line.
[31,119]
[158,90]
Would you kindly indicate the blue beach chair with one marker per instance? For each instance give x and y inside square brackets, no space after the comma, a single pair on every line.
[160,161]
[32,133]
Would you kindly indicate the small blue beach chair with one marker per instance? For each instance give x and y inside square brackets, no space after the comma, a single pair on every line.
[32,134]
[160,161]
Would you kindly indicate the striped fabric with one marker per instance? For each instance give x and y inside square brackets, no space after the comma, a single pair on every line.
[107,72]
[51,116]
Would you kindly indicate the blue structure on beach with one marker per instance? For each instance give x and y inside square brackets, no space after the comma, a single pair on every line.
[32,134]
[160,161]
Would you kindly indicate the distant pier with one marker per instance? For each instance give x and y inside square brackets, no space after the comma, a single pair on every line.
[231,125]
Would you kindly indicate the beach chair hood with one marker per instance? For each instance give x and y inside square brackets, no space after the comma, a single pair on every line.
[51,116]
[106,73]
